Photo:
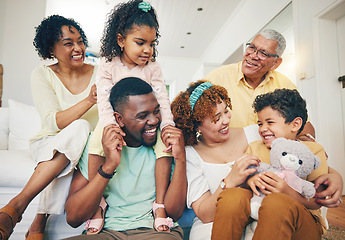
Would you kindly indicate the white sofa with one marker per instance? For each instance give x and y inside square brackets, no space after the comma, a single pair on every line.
[18,123]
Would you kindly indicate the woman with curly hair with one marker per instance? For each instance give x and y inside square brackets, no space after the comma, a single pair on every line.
[128,49]
[214,152]
[65,95]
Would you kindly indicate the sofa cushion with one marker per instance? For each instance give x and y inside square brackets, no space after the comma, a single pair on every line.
[3,128]
[16,168]
[24,123]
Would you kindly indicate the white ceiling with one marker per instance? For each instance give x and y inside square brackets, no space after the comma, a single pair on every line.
[176,18]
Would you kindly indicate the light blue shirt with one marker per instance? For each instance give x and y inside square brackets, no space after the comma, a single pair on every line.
[131,192]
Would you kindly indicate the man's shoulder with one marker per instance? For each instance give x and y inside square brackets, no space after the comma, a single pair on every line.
[221,75]
[281,79]
[315,147]
[224,69]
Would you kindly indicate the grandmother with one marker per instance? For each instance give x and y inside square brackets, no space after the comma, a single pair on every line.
[65,96]
[214,152]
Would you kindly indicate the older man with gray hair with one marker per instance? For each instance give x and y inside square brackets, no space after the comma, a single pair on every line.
[253,76]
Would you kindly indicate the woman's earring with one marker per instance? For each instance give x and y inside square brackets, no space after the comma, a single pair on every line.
[121,49]
[198,136]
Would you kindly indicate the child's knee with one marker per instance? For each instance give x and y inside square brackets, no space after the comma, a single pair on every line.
[234,199]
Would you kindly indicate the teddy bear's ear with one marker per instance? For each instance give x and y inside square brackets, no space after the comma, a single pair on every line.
[317,162]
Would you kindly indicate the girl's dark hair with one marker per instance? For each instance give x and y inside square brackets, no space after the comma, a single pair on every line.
[49,32]
[189,121]
[121,20]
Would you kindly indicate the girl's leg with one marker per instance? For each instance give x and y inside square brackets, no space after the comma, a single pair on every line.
[162,178]
[95,161]
[232,214]
[44,173]
[282,217]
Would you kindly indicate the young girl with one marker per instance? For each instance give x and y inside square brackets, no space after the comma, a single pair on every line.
[129,50]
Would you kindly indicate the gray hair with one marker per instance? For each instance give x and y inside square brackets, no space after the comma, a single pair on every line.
[276,36]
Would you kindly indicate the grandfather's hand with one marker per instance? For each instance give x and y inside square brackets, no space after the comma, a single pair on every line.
[173,137]
[331,195]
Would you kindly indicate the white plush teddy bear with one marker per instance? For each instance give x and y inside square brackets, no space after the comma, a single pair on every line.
[292,161]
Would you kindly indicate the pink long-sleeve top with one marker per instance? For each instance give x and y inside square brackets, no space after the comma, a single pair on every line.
[109,73]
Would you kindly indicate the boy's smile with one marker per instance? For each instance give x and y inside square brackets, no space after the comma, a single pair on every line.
[272,125]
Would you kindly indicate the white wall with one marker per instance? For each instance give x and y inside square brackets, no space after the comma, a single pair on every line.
[17,51]
[179,71]
[316,44]
[2,26]
[250,17]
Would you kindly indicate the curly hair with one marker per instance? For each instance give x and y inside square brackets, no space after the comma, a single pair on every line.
[186,119]
[121,21]
[49,32]
[288,102]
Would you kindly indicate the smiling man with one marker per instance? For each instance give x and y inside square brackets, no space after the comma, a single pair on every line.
[127,179]
[253,76]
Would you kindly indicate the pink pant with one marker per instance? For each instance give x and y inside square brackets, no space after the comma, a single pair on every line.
[280,217]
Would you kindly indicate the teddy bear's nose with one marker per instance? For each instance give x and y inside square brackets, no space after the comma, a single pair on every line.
[292,159]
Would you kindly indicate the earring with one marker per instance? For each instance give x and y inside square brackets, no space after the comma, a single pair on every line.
[198,136]
[121,49]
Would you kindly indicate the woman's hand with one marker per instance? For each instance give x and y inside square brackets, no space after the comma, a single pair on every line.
[240,171]
[93,94]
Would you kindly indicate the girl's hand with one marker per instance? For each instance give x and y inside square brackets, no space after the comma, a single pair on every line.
[93,94]
[273,184]
[240,171]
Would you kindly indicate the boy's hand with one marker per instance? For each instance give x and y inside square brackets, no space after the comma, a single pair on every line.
[112,143]
[173,138]
[273,184]
[254,183]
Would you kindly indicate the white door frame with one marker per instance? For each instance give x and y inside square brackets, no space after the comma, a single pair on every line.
[330,131]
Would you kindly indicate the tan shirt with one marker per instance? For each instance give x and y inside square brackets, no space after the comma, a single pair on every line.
[259,149]
[242,94]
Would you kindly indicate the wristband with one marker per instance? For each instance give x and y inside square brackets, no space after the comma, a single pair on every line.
[104,174]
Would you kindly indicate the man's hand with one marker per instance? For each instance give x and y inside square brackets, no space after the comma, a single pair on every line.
[331,195]
[112,142]
[173,137]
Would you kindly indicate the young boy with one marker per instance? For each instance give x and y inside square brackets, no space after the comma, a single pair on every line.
[284,213]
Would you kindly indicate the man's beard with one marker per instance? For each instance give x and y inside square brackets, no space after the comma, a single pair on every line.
[146,144]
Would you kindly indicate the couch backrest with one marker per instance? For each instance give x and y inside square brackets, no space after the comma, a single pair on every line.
[18,123]
[4,128]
